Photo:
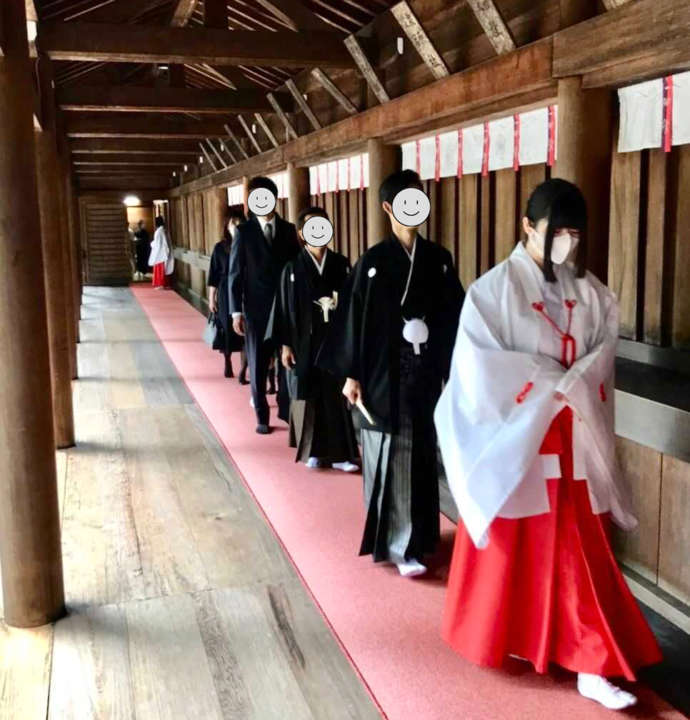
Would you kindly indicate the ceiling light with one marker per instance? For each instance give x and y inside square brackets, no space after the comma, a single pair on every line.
[186,168]
[401,45]
[162,67]
[254,128]
[201,160]
[131,201]
[174,173]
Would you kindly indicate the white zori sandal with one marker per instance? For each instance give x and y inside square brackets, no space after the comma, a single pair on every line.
[602,691]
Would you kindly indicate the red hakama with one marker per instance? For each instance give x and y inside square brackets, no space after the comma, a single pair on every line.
[547,588]
[160,279]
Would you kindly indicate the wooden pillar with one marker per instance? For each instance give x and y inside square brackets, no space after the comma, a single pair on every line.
[383,160]
[584,157]
[58,285]
[74,251]
[298,190]
[60,191]
[30,551]
[245,194]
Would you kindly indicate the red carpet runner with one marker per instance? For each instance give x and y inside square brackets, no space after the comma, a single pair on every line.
[388,626]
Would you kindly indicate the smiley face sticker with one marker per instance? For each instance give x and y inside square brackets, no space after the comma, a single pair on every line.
[261,202]
[317,231]
[411,207]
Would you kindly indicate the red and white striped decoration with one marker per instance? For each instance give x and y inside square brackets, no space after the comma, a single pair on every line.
[336,175]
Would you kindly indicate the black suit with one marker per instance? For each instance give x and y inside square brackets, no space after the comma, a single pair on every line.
[253,275]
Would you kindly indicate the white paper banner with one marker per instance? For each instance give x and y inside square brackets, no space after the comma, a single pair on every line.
[313,172]
[323,178]
[641,116]
[501,143]
[343,175]
[427,158]
[332,176]
[472,149]
[534,137]
[235,195]
[365,169]
[409,155]
[449,153]
[680,133]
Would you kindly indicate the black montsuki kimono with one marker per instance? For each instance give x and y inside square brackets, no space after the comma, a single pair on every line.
[322,422]
[227,340]
[399,388]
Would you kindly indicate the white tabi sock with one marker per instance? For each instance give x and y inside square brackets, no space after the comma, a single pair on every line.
[347,467]
[602,691]
[411,568]
[313,462]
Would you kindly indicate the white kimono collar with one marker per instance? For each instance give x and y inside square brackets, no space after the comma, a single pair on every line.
[319,266]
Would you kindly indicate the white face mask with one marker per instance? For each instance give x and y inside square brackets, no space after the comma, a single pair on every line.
[561,246]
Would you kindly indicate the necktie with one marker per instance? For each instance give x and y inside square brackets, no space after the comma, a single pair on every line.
[268,232]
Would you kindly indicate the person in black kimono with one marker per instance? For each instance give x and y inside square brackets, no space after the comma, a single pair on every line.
[264,244]
[321,424]
[392,338]
[142,248]
[227,340]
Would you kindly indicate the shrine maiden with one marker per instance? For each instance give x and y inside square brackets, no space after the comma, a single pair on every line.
[161,257]
[392,338]
[321,425]
[525,426]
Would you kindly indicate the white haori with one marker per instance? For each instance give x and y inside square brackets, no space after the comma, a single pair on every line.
[499,402]
[160,251]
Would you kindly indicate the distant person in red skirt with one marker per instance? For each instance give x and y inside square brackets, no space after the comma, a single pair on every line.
[525,426]
[161,257]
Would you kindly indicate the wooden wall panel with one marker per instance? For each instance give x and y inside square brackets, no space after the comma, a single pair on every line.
[105,239]
[641,468]
[680,321]
[469,229]
[530,177]
[353,210]
[506,214]
[624,237]
[674,540]
[486,225]
[448,221]
[655,247]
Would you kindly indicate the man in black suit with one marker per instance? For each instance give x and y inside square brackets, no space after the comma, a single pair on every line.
[264,244]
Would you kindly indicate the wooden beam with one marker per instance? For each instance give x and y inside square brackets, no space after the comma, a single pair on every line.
[493,25]
[133,146]
[411,26]
[125,184]
[182,11]
[95,42]
[334,91]
[644,39]
[208,157]
[162,127]
[366,68]
[295,14]
[113,160]
[266,129]
[250,134]
[238,144]
[507,84]
[162,99]
[283,117]
[221,159]
[299,99]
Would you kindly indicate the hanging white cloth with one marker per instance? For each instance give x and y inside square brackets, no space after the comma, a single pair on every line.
[500,399]
[161,252]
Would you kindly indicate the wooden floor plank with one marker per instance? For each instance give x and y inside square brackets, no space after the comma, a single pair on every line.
[91,671]
[24,672]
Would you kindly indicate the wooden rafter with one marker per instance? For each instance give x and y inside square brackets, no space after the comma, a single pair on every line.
[299,99]
[128,98]
[95,42]
[411,26]
[224,148]
[493,25]
[266,129]
[182,11]
[295,14]
[366,68]
[334,91]
[292,133]
[133,146]
[236,141]
[93,125]
[221,159]
[123,158]
[250,134]
[207,156]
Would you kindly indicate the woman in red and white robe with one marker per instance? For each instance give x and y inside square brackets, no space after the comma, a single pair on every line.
[525,426]
[161,257]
